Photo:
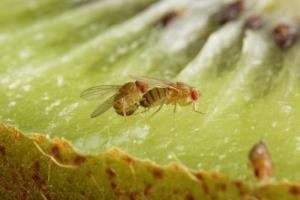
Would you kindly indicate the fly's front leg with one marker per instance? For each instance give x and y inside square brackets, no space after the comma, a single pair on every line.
[195,110]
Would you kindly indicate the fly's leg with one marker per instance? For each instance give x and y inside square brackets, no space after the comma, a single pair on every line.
[174,111]
[195,110]
[160,107]
[123,109]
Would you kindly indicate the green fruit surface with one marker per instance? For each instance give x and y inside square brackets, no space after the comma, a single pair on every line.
[52,50]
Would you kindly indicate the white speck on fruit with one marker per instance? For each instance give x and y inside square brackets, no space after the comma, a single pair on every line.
[287,109]
[12,104]
[180,148]
[14,84]
[26,88]
[65,113]
[222,157]
[24,54]
[51,106]
[39,36]
[59,81]
[274,124]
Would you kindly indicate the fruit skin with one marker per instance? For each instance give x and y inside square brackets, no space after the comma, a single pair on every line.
[250,88]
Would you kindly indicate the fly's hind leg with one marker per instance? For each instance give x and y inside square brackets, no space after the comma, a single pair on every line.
[174,111]
[123,109]
[160,107]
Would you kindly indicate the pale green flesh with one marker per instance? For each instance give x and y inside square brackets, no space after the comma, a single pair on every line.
[250,88]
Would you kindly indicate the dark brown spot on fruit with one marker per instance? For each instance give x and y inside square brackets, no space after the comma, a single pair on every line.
[78,160]
[189,197]
[168,17]
[127,158]
[14,178]
[111,173]
[2,150]
[284,35]
[215,176]
[205,188]
[113,185]
[213,197]
[223,187]
[55,151]
[157,173]
[148,190]
[295,190]
[37,175]
[254,22]
[240,187]
[23,196]
[132,195]
[199,176]
[231,12]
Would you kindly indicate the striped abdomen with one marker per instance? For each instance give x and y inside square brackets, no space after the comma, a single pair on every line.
[154,97]
[125,105]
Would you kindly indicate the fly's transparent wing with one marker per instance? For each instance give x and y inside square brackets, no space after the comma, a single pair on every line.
[107,104]
[96,92]
[154,81]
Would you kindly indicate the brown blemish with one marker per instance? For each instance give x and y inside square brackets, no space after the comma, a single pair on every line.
[295,190]
[188,196]
[128,159]
[168,17]
[223,187]
[240,187]
[254,22]
[284,35]
[23,196]
[55,151]
[157,173]
[2,150]
[199,176]
[37,176]
[215,176]
[79,160]
[205,188]
[148,190]
[113,185]
[110,173]
[14,177]
[132,195]
[231,12]
[213,197]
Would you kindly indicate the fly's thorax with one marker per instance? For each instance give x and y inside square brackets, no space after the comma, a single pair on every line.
[184,90]
[128,88]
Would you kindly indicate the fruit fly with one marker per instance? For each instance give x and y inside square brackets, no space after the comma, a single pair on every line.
[167,92]
[125,101]
[260,160]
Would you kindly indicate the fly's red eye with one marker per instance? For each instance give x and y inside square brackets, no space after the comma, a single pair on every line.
[143,88]
[195,95]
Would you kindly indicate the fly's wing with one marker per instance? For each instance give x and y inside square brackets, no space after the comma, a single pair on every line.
[107,104]
[155,82]
[96,92]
